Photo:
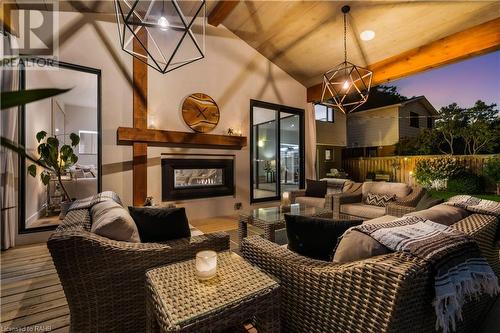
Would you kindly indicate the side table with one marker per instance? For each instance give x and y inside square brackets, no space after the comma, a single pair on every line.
[176,301]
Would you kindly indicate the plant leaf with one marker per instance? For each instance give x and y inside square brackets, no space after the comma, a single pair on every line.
[52,141]
[45,177]
[40,135]
[75,139]
[32,170]
[10,99]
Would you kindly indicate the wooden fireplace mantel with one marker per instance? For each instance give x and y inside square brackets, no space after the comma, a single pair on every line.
[162,138]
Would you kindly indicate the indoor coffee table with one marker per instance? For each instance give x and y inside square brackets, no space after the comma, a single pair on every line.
[273,218]
[176,301]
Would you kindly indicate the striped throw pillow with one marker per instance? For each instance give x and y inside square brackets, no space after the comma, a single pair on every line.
[380,200]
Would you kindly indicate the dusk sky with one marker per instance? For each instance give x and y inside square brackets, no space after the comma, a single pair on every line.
[464,82]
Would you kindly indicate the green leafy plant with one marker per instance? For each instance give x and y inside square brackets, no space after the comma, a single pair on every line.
[467,183]
[428,171]
[54,160]
[492,170]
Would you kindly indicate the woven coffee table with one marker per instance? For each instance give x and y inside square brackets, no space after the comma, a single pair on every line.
[178,302]
[273,218]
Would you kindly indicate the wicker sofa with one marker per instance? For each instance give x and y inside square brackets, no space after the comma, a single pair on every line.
[353,203]
[387,293]
[104,280]
[335,187]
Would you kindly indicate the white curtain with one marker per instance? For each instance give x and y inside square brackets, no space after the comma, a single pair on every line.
[9,77]
[310,134]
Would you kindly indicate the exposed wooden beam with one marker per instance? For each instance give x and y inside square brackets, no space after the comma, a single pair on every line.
[481,39]
[140,117]
[161,138]
[221,10]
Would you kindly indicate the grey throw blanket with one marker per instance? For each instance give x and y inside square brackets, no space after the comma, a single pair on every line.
[460,270]
[87,203]
[475,205]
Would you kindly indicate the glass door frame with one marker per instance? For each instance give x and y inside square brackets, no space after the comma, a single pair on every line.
[278,109]
[21,222]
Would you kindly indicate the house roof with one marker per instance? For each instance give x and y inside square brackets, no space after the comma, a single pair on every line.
[418,99]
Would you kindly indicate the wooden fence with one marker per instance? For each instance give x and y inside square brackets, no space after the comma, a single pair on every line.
[358,168]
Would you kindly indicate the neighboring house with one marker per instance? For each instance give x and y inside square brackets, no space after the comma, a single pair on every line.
[330,138]
[375,132]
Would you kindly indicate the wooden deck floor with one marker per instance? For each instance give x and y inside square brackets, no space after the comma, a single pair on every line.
[31,294]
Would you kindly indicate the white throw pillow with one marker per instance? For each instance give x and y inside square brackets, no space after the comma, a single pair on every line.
[111,220]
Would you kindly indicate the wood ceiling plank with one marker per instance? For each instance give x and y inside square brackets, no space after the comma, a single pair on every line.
[481,39]
[221,11]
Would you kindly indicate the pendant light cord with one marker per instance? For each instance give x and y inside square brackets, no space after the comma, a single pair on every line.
[345,38]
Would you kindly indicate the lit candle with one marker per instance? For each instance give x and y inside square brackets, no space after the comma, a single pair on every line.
[285,199]
[206,264]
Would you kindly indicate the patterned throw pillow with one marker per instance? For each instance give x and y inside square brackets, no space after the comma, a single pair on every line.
[380,200]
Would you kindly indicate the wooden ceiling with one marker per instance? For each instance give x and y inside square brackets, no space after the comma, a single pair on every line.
[304,38]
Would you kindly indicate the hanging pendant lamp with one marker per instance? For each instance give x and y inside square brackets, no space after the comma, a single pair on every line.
[346,86]
[164,34]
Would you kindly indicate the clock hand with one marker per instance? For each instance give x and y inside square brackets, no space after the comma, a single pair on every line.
[201,112]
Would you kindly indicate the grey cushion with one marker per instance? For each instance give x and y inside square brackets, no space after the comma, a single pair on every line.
[362,210]
[382,219]
[111,220]
[356,245]
[427,201]
[401,190]
[442,214]
[311,201]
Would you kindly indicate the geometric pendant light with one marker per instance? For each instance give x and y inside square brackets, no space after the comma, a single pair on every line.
[168,34]
[346,86]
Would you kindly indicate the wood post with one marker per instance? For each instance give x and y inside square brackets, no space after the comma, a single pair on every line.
[140,103]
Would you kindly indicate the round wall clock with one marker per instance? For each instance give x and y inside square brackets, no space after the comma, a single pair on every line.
[200,112]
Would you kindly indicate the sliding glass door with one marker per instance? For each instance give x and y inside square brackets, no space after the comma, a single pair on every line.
[277,150]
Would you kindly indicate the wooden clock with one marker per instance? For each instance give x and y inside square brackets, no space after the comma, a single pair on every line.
[200,112]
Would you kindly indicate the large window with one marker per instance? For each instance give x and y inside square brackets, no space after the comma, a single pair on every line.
[76,111]
[277,150]
[324,113]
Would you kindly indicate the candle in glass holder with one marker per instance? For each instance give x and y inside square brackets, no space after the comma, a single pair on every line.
[206,264]
[285,199]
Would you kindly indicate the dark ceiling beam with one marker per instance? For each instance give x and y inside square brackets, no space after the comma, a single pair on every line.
[480,39]
[221,11]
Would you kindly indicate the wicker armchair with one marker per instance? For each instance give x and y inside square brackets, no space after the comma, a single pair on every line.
[388,293]
[104,280]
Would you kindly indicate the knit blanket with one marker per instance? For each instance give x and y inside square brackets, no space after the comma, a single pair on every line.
[88,202]
[475,205]
[460,270]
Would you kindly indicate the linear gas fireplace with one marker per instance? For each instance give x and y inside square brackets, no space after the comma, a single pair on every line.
[196,178]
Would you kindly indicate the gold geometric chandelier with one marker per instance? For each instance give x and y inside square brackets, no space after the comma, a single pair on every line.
[346,86]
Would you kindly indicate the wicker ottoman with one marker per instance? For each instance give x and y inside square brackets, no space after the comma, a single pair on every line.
[178,302]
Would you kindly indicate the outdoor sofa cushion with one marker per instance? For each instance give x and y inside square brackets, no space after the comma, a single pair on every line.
[314,237]
[443,214]
[111,220]
[311,201]
[427,201]
[401,190]
[316,188]
[380,200]
[362,210]
[160,224]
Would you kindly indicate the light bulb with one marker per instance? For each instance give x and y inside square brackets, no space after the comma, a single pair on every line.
[346,85]
[163,23]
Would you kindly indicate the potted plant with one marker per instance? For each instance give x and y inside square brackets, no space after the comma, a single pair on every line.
[492,171]
[55,160]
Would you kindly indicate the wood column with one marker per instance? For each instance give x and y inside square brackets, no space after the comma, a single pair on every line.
[140,101]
